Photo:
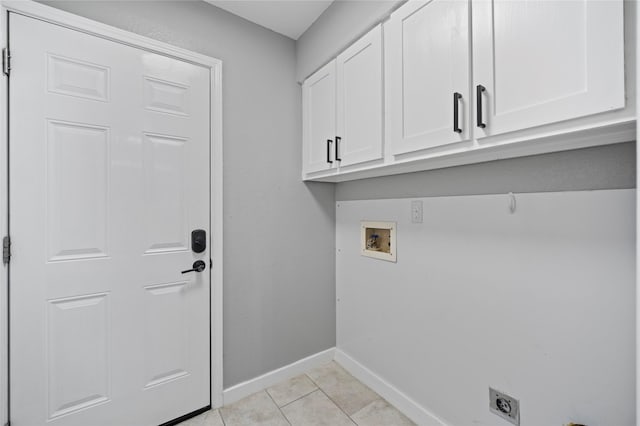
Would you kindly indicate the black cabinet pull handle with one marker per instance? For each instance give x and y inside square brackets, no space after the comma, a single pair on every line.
[329,142]
[338,139]
[479,90]
[456,104]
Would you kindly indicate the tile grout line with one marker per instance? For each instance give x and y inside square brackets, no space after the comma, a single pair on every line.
[379,397]
[220,415]
[299,398]
[286,419]
[317,388]
[339,407]
[330,399]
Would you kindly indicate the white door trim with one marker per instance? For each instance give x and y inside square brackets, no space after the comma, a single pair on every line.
[4,223]
[637,227]
[55,16]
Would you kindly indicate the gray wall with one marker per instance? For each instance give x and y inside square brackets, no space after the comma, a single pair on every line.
[339,25]
[482,297]
[279,292]
[602,167]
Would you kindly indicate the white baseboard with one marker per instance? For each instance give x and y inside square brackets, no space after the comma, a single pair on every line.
[241,390]
[402,402]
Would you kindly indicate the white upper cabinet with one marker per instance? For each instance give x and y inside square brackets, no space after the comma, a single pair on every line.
[427,63]
[541,62]
[359,109]
[343,110]
[319,119]
[443,83]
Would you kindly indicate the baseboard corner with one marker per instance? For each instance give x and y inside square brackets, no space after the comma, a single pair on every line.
[244,389]
[395,397]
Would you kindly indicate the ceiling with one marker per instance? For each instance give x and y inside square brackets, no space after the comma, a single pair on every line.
[288,17]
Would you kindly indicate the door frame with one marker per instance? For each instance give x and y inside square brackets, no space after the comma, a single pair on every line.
[55,16]
[637,46]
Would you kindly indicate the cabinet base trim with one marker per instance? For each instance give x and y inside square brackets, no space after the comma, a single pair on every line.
[486,150]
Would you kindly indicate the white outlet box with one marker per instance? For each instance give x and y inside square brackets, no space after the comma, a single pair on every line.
[416,211]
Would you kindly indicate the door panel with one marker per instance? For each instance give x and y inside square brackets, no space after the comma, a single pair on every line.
[165,343]
[546,61]
[359,114]
[319,121]
[76,78]
[427,59]
[166,96]
[77,192]
[109,154]
[79,379]
[165,189]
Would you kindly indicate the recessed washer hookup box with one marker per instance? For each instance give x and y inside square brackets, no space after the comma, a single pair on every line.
[378,240]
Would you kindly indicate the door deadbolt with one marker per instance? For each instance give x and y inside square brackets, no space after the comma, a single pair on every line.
[198,240]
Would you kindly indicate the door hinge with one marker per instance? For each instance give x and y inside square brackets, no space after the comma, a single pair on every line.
[6,61]
[6,250]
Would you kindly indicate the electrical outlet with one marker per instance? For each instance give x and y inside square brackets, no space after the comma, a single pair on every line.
[416,211]
[504,406]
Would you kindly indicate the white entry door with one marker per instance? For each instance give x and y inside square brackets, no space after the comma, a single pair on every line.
[109,175]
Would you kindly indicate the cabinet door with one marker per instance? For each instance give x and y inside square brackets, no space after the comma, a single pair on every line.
[319,119]
[427,66]
[359,118]
[542,62]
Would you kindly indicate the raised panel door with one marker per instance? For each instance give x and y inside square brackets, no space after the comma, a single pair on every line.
[359,101]
[427,75]
[109,155]
[319,119]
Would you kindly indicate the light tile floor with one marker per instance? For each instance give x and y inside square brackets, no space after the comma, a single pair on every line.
[325,396]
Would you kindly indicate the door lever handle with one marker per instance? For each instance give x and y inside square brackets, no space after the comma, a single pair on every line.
[198,266]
